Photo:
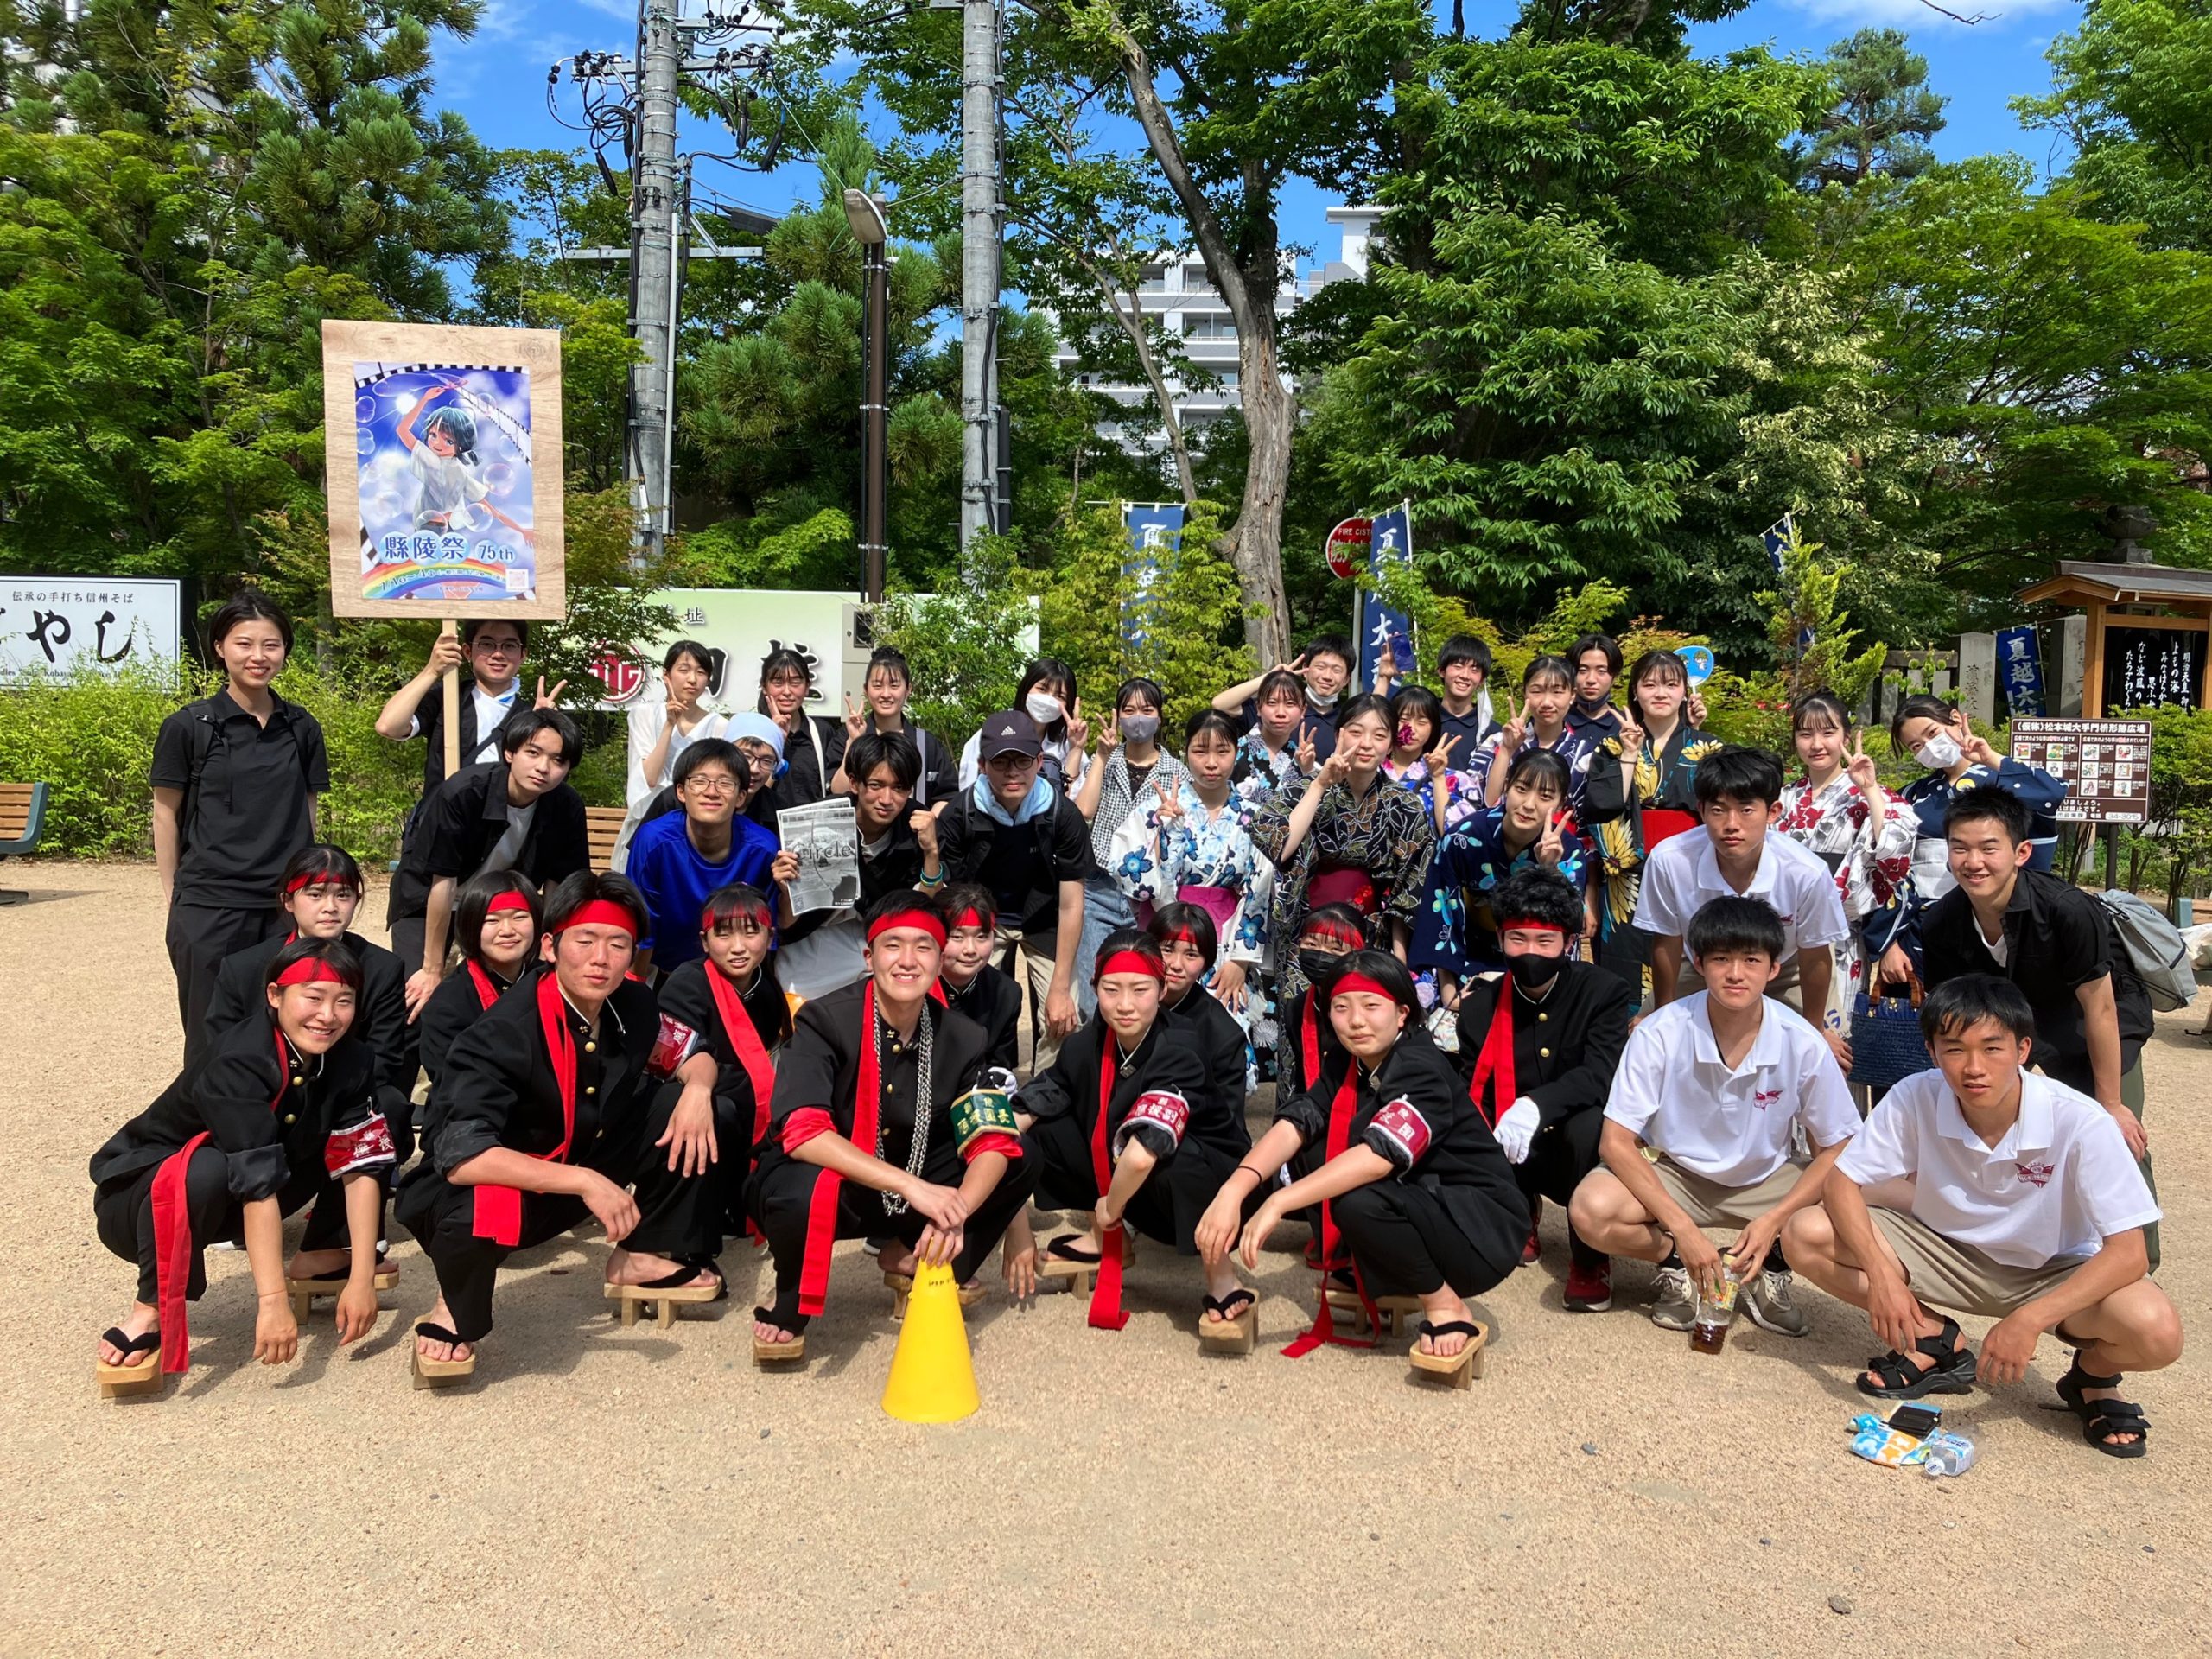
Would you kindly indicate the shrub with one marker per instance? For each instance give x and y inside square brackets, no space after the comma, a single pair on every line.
[89,738]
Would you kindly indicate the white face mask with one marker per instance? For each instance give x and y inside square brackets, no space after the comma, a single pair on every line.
[1044,707]
[1939,753]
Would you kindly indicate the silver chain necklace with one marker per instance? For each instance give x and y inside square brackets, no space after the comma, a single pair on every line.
[917,1149]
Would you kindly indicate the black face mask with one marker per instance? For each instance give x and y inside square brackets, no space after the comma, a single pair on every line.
[1320,967]
[1532,971]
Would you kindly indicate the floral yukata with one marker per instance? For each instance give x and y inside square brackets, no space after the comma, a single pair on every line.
[1463,789]
[1205,858]
[1455,932]
[1872,866]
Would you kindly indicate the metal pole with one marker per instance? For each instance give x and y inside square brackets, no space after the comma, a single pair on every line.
[653,201]
[979,263]
[874,422]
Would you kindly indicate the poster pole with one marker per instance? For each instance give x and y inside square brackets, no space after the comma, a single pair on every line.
[451,677]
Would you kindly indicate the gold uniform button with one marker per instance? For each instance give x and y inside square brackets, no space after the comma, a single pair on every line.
[592,1089]
[290,1118]
[591,1048]
[296,1081]
[1543,1054]
[1542,1018]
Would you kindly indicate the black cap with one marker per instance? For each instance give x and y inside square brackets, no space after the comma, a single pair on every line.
[1010,733]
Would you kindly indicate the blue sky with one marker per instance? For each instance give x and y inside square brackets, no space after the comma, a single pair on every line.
[497,79]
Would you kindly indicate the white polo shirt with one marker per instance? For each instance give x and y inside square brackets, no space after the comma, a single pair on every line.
[2055,1186]
[1674,1089]
[1681,875]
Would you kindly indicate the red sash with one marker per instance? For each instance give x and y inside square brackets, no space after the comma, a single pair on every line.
[498,1209]
[1341,884]
[822,1213]
[486,991]
[173,1235]
[1494,1066]
[1106,1312]
[1323,1330]
[1309,1040]
[751,1054]
[1664,823]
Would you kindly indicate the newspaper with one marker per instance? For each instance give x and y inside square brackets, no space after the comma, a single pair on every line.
[825,841]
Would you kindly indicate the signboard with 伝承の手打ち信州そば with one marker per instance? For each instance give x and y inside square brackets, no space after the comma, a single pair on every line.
[444,461]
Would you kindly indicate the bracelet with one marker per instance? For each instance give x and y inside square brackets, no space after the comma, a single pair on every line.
[1248,1169]
[937,881]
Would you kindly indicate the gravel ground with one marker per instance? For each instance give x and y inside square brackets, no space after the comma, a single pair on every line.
[604,1492]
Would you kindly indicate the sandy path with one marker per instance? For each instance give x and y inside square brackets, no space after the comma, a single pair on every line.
[1604,1490]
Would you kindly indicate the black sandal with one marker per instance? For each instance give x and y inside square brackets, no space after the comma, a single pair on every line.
[795,1322]
[1065,1249]
[2103,1417]
[1226,1308]
[131,1347]
[1449,1328]
[439,1334]
[682,1278]
[1952,1373]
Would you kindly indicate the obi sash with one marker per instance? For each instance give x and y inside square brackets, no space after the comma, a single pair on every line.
[1341,884]
[1220,903]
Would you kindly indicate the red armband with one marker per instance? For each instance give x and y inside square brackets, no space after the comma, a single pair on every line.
[803,1125]
[1403,1127]
[673,1044]
[364,1145]
[1006,1145]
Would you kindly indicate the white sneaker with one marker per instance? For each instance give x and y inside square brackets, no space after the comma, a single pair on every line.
[1768,1301]
[1674,1304]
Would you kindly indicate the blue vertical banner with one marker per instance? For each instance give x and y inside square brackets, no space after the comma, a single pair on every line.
[2019,665]
[1381,628]
[1155,529]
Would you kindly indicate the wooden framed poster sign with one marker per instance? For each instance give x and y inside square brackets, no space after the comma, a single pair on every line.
[444,458]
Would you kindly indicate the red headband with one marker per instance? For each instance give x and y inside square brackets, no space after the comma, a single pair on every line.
[320,878]
[1185,936]
[973,917]
[1336,932]
[1531,924]
[707,918]
[312,970]
[1131,962]
[929,921]
[602,913]
[503,902]
[1350,982]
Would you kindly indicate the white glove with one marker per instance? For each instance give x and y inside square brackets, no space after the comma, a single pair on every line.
[1517,1129]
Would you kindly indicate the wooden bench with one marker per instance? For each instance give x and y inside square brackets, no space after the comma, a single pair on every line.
[22,820]
[603,825]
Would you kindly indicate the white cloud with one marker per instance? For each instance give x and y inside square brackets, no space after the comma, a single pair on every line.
[1995,14]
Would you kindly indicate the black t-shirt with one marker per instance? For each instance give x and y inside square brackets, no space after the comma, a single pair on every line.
[248,791]
[809,765]
[1023,864]
[463,820]
[2057,939]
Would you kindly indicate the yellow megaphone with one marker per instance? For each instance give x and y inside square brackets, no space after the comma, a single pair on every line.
[932,1378]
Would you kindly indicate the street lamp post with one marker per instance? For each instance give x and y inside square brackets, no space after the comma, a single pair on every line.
[864,214]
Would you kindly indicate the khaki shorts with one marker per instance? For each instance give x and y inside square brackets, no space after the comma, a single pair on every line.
[1958,1276]
[1711,1205]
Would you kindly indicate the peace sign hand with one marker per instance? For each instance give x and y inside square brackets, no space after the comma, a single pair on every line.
[1551,845]
[1309,758]
[1335,769]
[1110,736]
[1632,738]
[1516,729]
[1438,760]
[855,718]
[1078,728]
[1297,665]
[1858,765]
[549,699]
[1170,809]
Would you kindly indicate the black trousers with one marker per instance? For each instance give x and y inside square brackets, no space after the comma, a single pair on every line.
[781,1197]
[122,1215]
[1560,1156]
[1406,1243]
[407,943]
[733,1151]
[678,1217]
[199,937]
[1167,1208]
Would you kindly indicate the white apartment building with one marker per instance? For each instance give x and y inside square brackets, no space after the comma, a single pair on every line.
[1178,291]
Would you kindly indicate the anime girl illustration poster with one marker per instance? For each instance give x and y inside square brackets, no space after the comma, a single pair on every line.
[438,462]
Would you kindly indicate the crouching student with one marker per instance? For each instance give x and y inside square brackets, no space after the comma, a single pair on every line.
[967,982]
[1305,1038]
[733,998]
[1195,1011]
[2026,1208]
[1697,1127]
[888,1122]
[1124,1126]
[496,926]
[281,1112]
[1540,1043]
[1413,1189]
[544,1118]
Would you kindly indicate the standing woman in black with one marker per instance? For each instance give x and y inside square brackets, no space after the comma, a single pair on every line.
[235,777]
[814,745]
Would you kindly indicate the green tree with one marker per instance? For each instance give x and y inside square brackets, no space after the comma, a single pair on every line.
[2128,92]
[1881,116]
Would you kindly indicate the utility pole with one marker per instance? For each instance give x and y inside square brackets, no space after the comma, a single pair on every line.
[655,213]
[864,214]
[981,226]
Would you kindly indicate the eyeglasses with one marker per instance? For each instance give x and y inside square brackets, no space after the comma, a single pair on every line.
[713,785]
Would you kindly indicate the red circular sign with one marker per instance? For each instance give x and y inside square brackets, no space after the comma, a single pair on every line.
[621,675]
[1347,547]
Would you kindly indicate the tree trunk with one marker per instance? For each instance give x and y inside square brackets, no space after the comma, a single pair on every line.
[1132,322]
[1254,544]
